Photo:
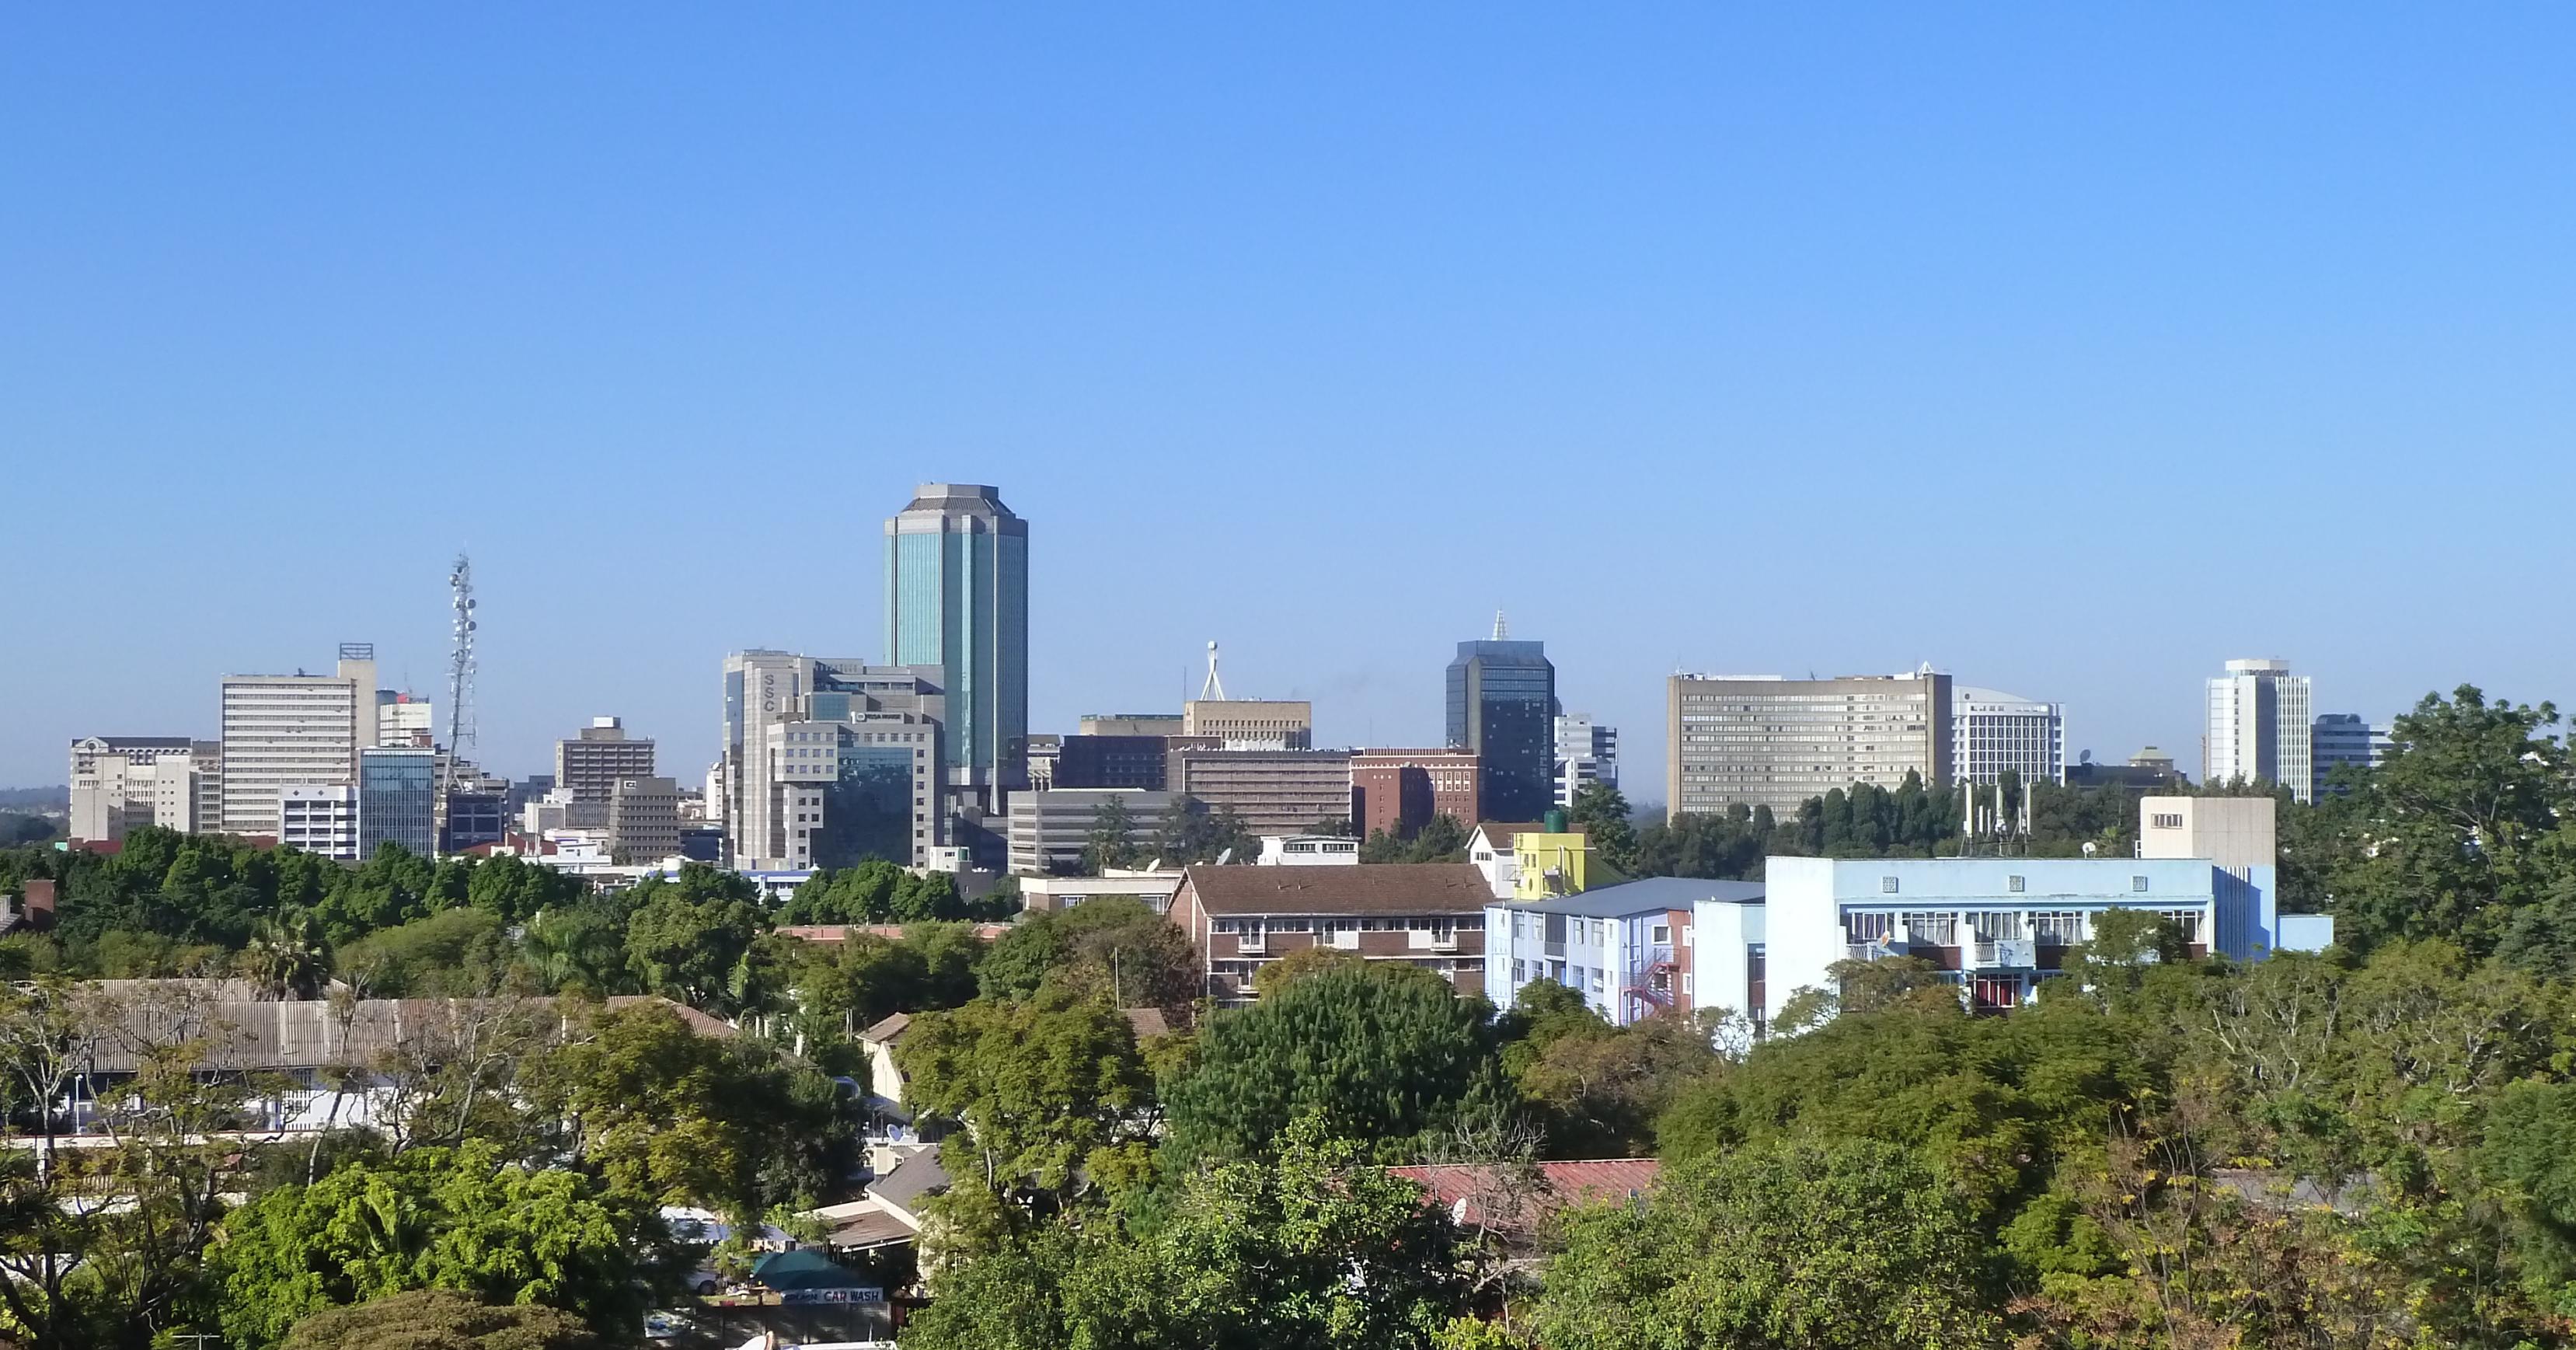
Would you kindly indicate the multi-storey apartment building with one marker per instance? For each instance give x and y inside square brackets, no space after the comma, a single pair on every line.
[1240,919]
[1399,791]
[1761,740]
[2259,728]
[1626,949]
[1992,732]
[319,818]
[1996,926]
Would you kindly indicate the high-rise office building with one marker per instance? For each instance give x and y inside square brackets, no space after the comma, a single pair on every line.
[1502,705]
[120,782]
[957,598]
[406,720]
[282,731]
[1399,791]
[1992,731]
[644,820]
[398,799]
[591,763]
[1271,791]
[318,818]
[2344,738]
[1760,740]
[1586,752]
[2258,728]
[828,762]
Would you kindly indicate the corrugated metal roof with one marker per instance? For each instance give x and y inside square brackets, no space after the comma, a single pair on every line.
[1653,894]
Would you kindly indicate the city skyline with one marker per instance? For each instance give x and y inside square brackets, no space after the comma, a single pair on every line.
[1743,341]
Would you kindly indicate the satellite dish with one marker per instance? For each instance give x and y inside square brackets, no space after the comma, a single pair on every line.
[1226,857]
[2089,848]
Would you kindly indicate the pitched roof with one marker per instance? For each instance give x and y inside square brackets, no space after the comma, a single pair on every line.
[888,1029]
[1500,833]
[1488,1196]
[1361,888]
[1649,895]
[903,1184]
[1148,1022]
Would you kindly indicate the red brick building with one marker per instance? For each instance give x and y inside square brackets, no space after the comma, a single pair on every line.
[1430,915]
[1399,791]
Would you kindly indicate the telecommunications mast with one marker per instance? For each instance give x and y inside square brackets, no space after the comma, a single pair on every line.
[460,664]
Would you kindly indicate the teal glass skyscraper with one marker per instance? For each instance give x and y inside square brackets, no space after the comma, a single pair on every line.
[1502,705]
[957,597]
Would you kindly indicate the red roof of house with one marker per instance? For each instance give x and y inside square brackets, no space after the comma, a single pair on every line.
[1479,1195]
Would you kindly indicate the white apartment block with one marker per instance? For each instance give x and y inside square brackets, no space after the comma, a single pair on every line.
[282,731]
[319,818]
[1992,731]
[120,782]
[2259,728]
[1586,752]
[1761,740]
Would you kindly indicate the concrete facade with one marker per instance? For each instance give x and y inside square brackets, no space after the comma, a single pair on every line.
[592,762]
[1992,733]
[1049,830]
[1626,949]
[1273,791]
[282,731]
[644,820]
[2258,728]
[319,818]
[120,782]
[779,786]
[1767,741]
[1251,723]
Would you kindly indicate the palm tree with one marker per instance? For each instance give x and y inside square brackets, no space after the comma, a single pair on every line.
[288,956]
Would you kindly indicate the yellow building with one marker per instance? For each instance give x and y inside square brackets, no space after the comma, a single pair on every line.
[1555,863]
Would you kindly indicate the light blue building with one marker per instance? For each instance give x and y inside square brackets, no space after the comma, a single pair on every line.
[1626,948]
[957,597]
[398,799]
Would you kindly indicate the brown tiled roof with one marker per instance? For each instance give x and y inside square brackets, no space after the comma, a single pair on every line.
[1479,1196]
[1502,833]
[1362,888]
[1148,1022]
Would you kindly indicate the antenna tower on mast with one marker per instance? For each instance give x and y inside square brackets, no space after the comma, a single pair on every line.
[460,663]
[1214,688]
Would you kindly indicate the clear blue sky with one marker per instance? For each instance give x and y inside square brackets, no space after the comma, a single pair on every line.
[2072,348]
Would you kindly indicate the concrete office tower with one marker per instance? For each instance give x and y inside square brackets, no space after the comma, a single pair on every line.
[1586,752]
[592,762]
[1272,791]
[1502,705]
[405,720]
[957,597]
[2259,728]
[120,782]
[398,799]
[282,731]
[828,762]
[1049,830]
[643,820]
[2344,738]
[1132,724]
[1991,731]
[1761,740]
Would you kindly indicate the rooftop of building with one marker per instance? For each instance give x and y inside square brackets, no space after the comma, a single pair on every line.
[1509,1202]
[1361,888]
[1649,895]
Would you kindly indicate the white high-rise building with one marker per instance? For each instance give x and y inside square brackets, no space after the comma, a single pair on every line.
[319,818]
[2259,728]
[1991,731]
[282,731]
[1586,752]
[1760,740]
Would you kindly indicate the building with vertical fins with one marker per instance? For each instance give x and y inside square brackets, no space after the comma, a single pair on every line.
[1502,705]
[2259,728]
[957,597]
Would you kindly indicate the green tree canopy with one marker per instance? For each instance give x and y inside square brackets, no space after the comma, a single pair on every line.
[442,1319]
